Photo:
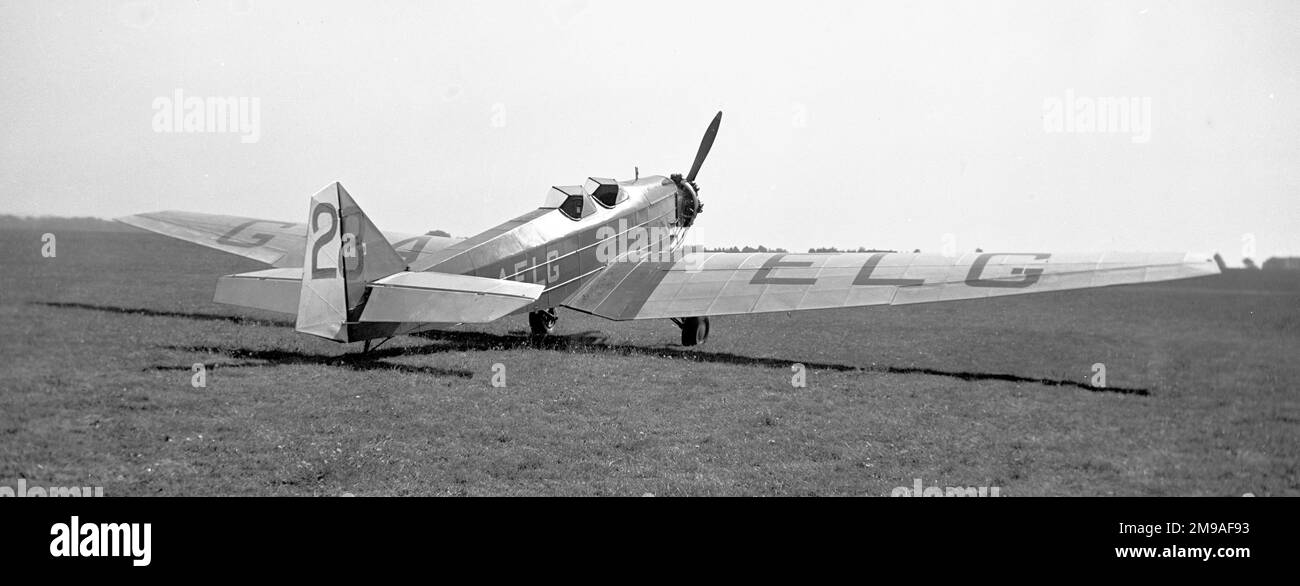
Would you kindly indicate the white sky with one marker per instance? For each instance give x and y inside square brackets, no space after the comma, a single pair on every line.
[887,124]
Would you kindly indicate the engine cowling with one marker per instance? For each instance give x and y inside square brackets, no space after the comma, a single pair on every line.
[689,205]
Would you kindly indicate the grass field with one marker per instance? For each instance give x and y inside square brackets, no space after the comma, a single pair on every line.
[98,344]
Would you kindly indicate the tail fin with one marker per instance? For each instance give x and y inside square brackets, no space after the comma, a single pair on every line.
[344,252]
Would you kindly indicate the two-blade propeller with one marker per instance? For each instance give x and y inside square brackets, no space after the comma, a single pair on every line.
[690,204]
[705,145]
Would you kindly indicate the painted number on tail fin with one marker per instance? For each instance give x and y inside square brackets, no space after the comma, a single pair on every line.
[323,238]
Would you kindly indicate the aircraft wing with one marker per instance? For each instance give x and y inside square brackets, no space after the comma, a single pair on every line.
[279,244]
[708,284]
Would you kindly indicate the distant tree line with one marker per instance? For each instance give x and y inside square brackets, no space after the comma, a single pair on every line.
[834,249]
[1277,263]
[86,224]
[815,250]
[759,248]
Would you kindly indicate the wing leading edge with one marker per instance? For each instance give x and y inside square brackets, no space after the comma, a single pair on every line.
[709,284]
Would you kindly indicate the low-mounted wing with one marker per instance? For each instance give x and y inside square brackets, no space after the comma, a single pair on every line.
[279,244]
[709,284]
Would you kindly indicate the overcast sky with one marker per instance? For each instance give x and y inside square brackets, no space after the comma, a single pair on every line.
[891,124]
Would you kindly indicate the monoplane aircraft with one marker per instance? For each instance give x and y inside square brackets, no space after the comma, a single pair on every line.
[608,248]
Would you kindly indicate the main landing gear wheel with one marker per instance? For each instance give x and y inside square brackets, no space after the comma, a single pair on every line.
[695,330]
[542,323]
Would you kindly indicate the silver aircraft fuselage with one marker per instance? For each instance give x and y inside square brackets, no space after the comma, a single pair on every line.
[548,247]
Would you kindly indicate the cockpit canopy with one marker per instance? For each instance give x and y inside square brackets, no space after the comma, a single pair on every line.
[571,200]
[604,191]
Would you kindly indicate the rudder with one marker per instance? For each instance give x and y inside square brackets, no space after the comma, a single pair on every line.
[344,252]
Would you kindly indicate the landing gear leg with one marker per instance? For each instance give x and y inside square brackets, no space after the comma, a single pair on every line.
[368,348]
[695,330]
[541,323]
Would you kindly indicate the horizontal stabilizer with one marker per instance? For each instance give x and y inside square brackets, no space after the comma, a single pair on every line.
[271,289]
[403,297]
[445,298]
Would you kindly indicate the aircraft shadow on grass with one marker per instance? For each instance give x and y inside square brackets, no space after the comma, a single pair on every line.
[586,341]
[589,342]
[234,319]
[263,357]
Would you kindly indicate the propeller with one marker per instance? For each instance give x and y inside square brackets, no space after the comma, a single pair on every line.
[705,145]
[691,205]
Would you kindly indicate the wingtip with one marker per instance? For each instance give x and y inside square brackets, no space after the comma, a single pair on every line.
[145,215]
[129,220]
